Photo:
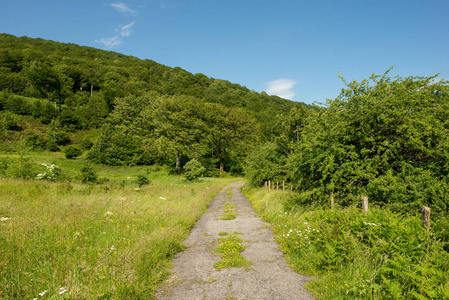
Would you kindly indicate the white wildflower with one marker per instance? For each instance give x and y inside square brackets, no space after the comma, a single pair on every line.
[4,219]
[43,293]
[62,291]
[162,198]
[109,213]
[137,189]
[371,224]
[112,248]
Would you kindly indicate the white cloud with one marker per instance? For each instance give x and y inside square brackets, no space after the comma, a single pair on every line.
[125,30]
[124,9]
[281,87]
[110,42]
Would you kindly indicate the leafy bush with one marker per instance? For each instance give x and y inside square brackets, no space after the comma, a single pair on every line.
[115,148]
[142,180]
[385,138]
[193,170]
[72,152]
[88,174]
[57,135]
[86,144]
[265,163]
[37,141]
[4,164]
[8,121]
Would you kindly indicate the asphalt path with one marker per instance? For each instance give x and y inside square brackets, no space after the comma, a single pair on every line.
[269,276]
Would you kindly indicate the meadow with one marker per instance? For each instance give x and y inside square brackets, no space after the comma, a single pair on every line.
[66,240]
[353,254]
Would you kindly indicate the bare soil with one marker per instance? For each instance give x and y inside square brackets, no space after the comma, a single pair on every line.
[269,276]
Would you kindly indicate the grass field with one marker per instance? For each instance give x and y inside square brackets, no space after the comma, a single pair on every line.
[106,241]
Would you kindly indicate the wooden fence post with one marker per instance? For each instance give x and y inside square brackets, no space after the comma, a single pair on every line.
[265,184]
[332,200]
[291,190]
[425,217]
[365,203]
[269,184]
[277,186]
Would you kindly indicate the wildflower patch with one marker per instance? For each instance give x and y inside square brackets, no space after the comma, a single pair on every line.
[230,248]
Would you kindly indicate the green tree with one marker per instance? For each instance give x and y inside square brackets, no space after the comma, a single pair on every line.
[231,130]
[386,138]
[179,121]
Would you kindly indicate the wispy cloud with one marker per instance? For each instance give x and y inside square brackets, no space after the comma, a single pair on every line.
[121,31]
[111,42]
[124,9]
[125,30]
[281,87]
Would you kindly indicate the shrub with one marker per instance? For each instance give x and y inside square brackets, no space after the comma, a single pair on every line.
[36,141]
[4,163]
[142,180]
[88,174]
[193,170]
[72,152]
[86,144]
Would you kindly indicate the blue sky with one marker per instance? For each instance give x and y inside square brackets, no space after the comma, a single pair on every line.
[294,49]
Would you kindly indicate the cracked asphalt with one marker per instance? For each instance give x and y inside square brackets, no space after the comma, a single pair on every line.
[269,276]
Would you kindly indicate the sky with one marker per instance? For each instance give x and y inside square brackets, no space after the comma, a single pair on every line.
[294,49]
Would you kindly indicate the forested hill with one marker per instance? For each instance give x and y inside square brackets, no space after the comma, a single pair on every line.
[77,78]
[149,113]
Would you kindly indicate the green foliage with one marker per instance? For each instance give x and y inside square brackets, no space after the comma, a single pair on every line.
[72,152]
[193,170]
[52,172]
[375,255]
[230,248]
[115,148]
[142,180]
[57,135]
[8,121]
[265,163]
[127,238]
[88,174]
[385,138]
[84,84]
[86,144]
[37,141]
[230,213]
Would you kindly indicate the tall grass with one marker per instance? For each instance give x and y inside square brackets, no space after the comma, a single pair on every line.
[357,255]
[104,241]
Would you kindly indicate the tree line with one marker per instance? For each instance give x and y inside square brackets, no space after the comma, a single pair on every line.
[384,138]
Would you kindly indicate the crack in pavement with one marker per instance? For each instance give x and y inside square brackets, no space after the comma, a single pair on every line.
[269,276]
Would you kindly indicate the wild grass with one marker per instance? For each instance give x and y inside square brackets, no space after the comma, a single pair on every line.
[107,241]
[230,214]
[230,248]
[357,255]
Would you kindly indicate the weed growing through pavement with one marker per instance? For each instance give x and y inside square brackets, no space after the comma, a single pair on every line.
[229,212]
[230,248]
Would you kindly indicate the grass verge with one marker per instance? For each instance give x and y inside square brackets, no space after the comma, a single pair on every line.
[356,255]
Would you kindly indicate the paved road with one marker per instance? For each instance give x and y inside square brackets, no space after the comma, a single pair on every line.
[269,276]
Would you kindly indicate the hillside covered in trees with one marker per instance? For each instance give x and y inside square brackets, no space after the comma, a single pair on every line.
[149,113]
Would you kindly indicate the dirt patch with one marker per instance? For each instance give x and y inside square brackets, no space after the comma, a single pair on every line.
[268,277]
